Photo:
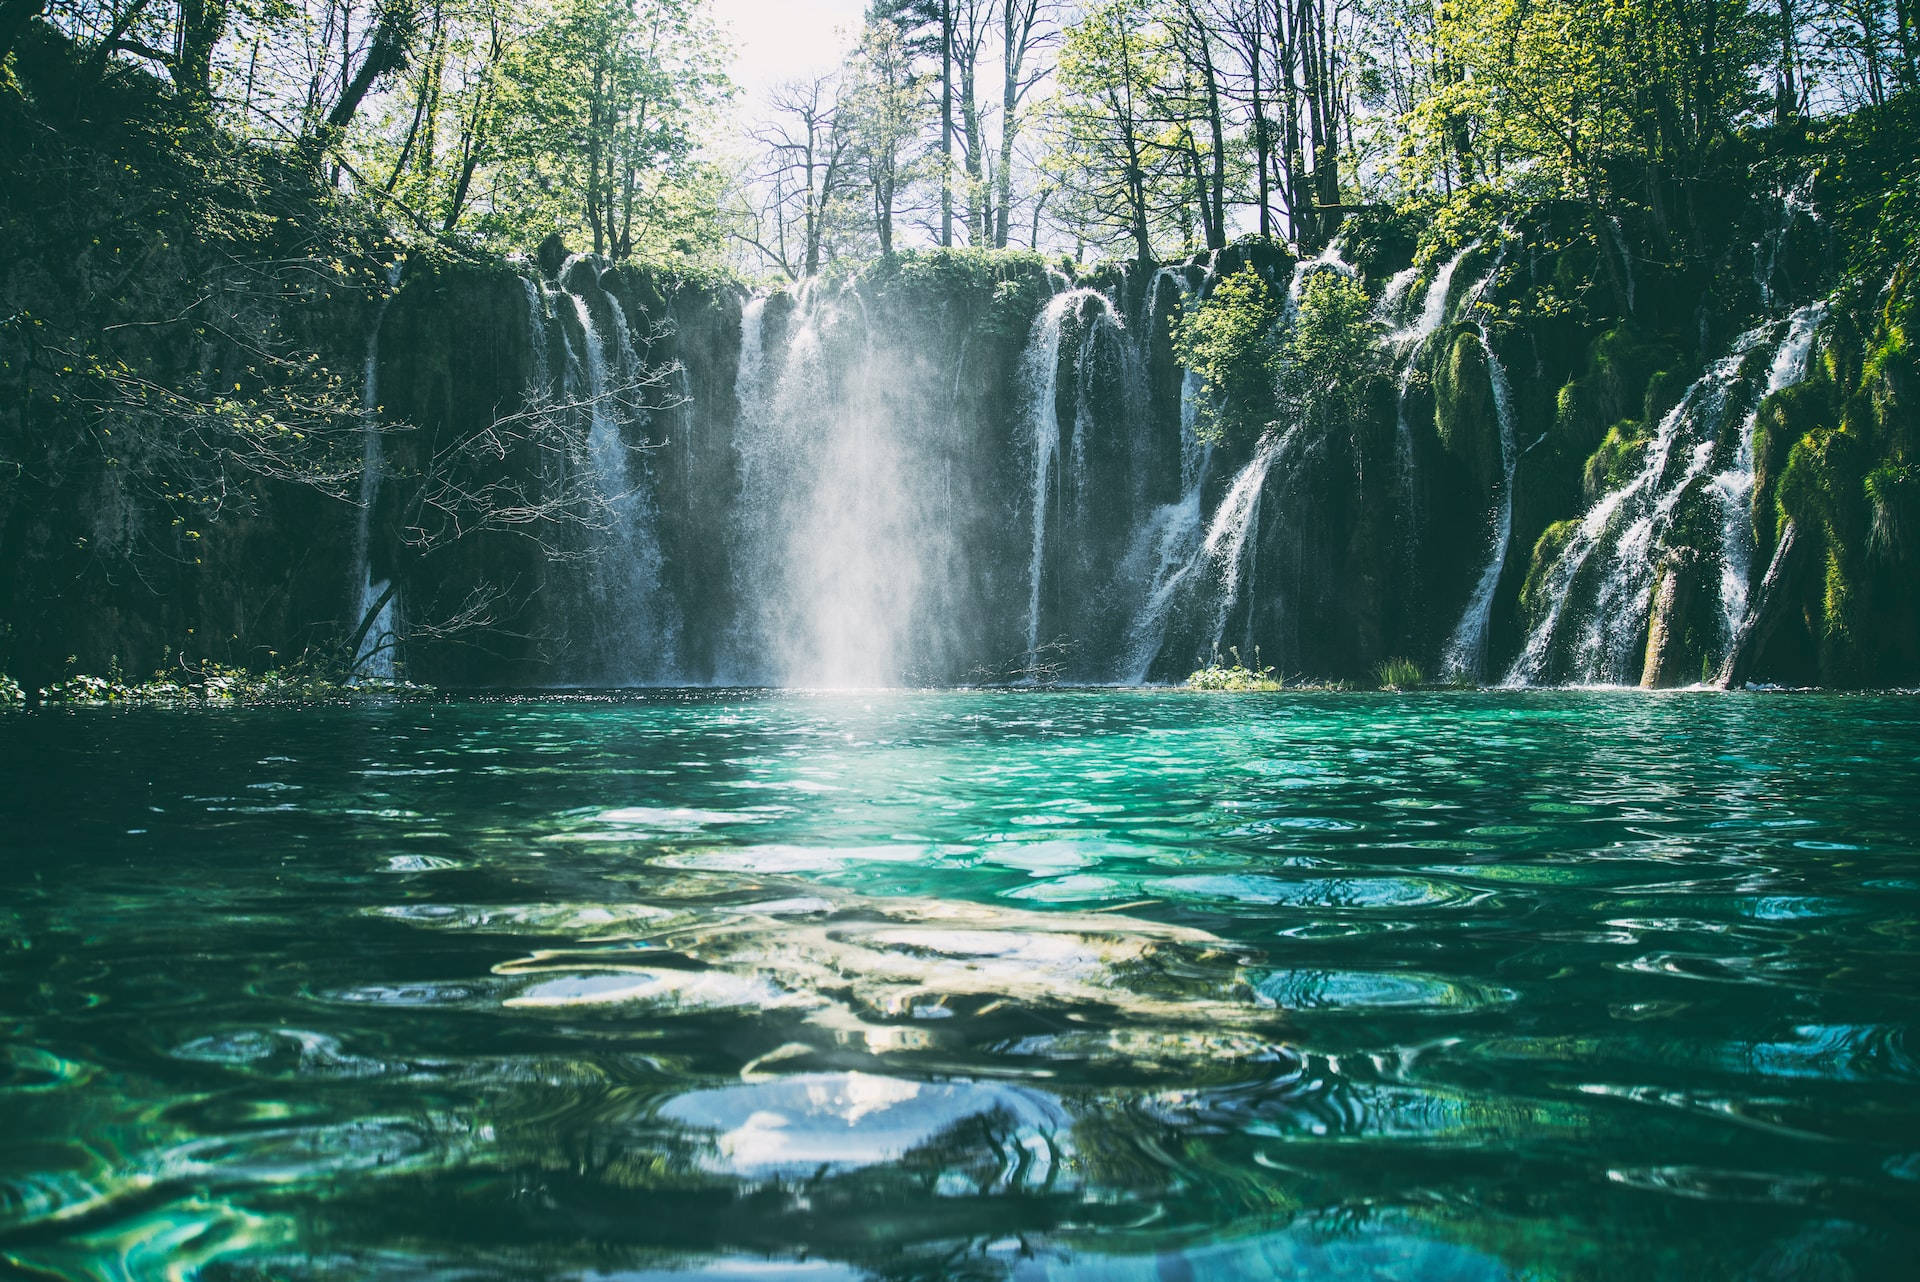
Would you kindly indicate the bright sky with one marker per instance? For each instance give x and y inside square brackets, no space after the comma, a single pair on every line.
[779,40]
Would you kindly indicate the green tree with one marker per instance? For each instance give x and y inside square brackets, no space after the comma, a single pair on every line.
[886,117]
[1330,354]
[1108,153]
[1232,340]
[604,106]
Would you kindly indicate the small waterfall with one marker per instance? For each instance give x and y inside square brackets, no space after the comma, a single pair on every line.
[1232,535]
[1393,299]
[538,341]
[1164,550]
[1304,270]
[1600,587]
[1040,383]
[1794,202]
[1466,652]
[1734,487]
[1193,568]
[631,634]
[1407,346]
[751,371]
[374,659]
[764,461]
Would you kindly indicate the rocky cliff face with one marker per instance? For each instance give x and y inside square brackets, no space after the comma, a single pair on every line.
[959,467]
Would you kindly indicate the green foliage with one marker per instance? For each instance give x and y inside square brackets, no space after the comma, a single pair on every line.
[1585,98]
[595,130]
[1235,678]
[1331,353]
[1546,554]
[1381,239]
[1869,174]
[1231,339]
[1004,287]
[1110,157]
[11,695]
[210,684]
[1400,674]
[1616,461]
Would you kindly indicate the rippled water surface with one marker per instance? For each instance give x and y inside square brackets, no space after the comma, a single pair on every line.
[1088,985]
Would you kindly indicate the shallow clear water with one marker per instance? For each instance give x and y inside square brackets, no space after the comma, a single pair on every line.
[1089,985]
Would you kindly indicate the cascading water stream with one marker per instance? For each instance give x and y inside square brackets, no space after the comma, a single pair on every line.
[1199,564]
[538,341]
[1601,584]
[1734,487]
[375,657]
[1165,547]
[631,637]
[1465,655]
[1406,347]
[1040,382]
[1233,533]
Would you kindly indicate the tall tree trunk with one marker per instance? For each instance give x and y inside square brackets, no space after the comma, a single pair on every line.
[1012,58]
[946,123]
[595,121]
[1262,140]
[1217,233]
[392,37]
[972,126]
[1786,94]
[202,23]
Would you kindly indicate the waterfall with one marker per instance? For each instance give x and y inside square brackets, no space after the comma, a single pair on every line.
[1466,652]
[1303,270]
[1408,346]
[1794,202]
[1734,487]
[1393,299]
[1235,524]
[763,462]
[537,339]
[1186,565]
[1040,384]
[1600,586]
[630,631]
[846,559]
[1163,554]
[374,658]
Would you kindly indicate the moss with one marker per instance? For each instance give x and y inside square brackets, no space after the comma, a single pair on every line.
[1617,460]
[1664,391]
[1619,365]
[1823,490]
[1546,551]
[1380,240]
[1463,408]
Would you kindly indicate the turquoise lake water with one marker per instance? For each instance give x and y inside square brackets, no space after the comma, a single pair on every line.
[965,985]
